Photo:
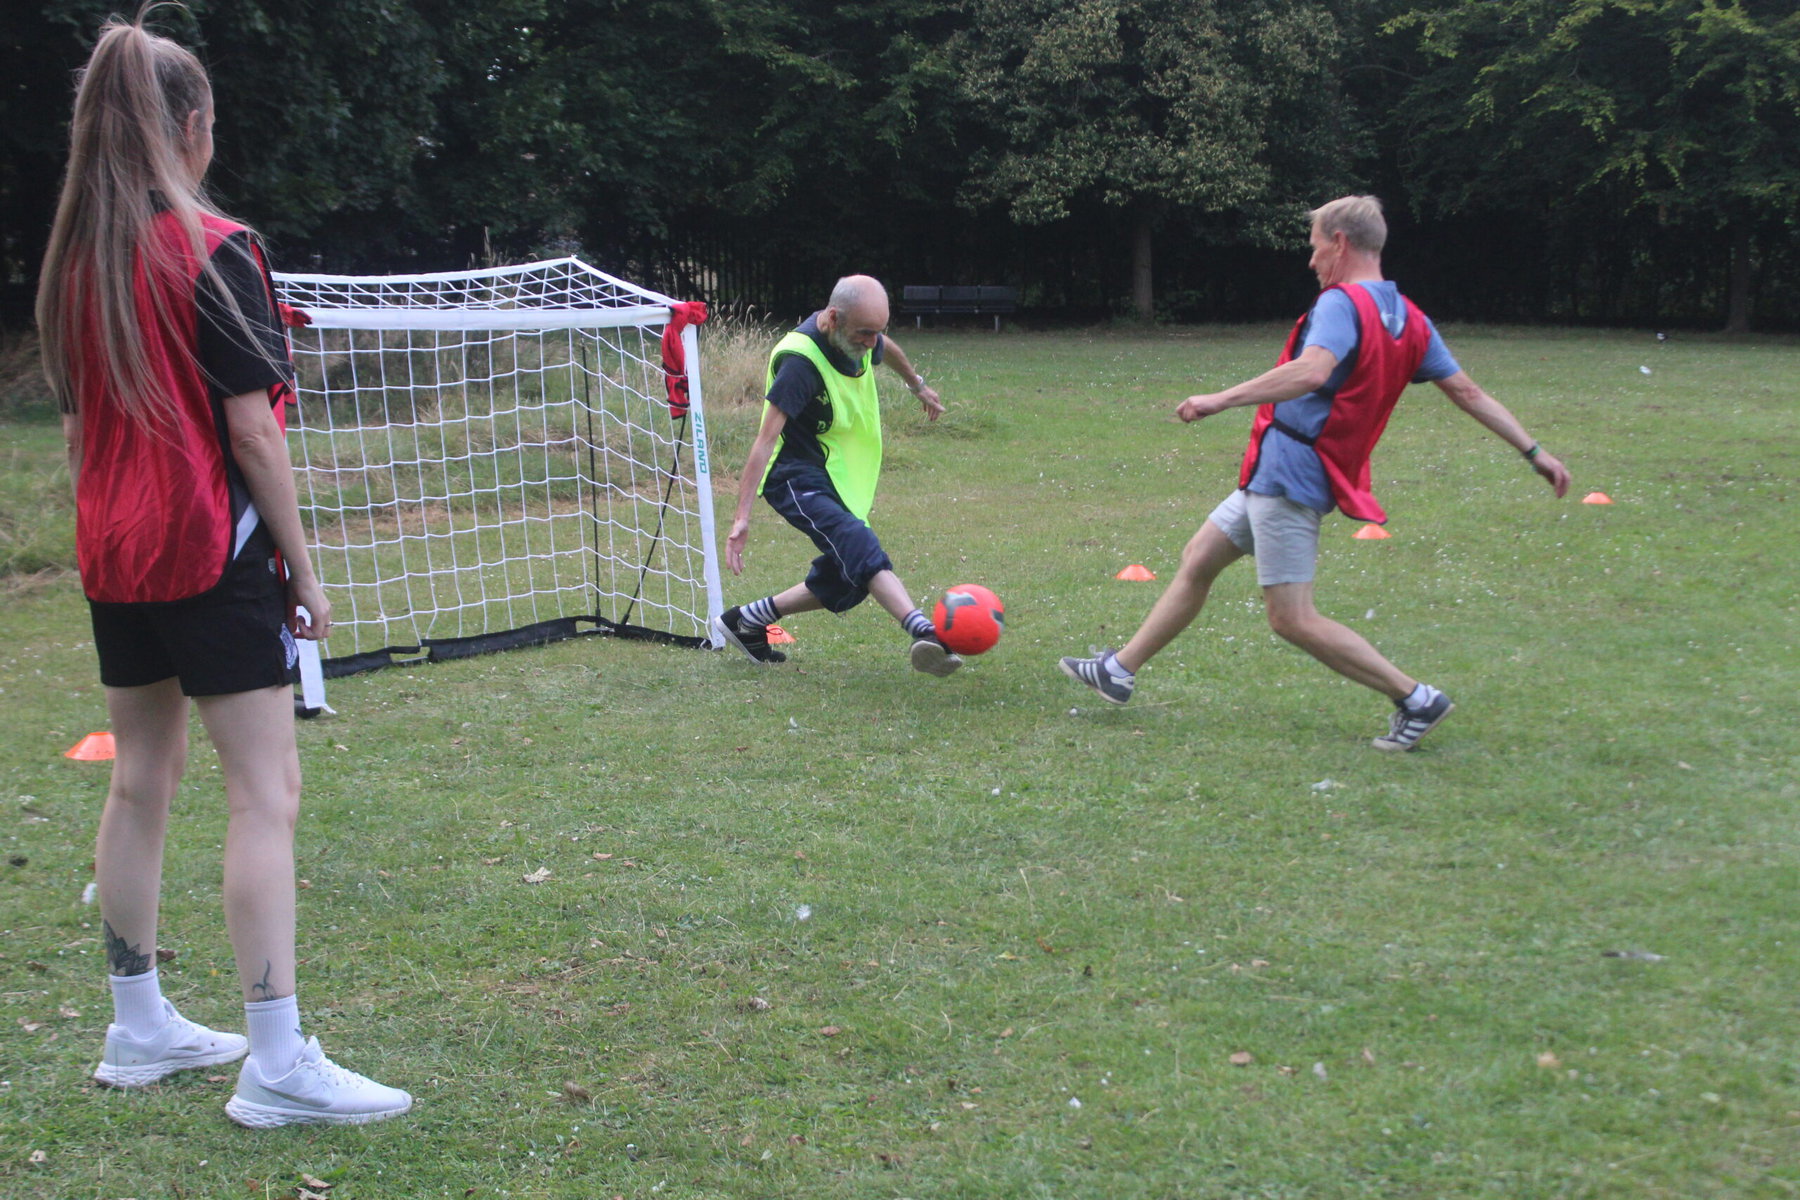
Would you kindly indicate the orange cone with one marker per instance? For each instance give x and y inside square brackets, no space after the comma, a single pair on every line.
[95,747]
[1596,498]
[1371,533]
[1136,572]
[779,636]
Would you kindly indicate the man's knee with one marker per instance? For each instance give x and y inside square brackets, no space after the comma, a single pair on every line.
[839,597]
[863,559]
[1289,626]
[836,590]
[1292,617]
[1207,553]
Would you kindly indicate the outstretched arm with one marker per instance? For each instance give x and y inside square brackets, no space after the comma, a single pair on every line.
[895,357]
[1469,396]
[1289,381]
[774,420]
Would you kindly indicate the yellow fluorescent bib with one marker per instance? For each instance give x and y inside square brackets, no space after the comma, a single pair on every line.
[853,443]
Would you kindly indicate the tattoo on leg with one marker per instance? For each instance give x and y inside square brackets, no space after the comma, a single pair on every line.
[262,989]
[120,958]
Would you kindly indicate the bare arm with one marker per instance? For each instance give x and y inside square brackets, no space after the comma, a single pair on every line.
[72,443]
[773,422]
[261,452]
[1469,396]
[1289,381]
[895,357]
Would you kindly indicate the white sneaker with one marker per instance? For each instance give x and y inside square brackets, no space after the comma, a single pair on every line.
[316,1092]
[180,1045]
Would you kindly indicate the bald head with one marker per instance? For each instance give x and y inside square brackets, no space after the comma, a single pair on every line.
[853,291]
[856,316]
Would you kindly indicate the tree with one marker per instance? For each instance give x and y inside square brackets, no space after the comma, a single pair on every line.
[1153,108]
[41,46]
[504,171]
[1682,112]
[325,113]
[839,127]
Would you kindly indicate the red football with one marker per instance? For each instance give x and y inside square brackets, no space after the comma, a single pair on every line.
[969,619]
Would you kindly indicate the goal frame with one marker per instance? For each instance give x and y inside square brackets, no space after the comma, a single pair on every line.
[515,303]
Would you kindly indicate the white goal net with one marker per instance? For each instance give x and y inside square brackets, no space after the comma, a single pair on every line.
[489,459]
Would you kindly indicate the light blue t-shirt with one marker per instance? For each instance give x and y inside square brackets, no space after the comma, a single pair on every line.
[1292,468]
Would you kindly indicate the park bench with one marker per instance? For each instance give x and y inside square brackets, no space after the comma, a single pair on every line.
[983,300]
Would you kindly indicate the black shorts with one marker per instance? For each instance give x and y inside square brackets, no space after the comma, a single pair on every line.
[232,638]
[850,553]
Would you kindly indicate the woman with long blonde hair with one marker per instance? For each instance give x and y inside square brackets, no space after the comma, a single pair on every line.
[164,343]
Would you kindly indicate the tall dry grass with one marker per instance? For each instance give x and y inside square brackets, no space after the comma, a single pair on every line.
[734,358]
[37,507]
[22,383]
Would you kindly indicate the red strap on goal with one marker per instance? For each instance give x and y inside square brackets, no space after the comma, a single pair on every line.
[674,357]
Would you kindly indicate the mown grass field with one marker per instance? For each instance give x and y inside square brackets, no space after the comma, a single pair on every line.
[834,929]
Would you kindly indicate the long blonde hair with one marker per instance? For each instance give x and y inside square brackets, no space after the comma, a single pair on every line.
[130,157]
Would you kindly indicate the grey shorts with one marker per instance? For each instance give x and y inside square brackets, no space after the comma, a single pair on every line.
[1282,535]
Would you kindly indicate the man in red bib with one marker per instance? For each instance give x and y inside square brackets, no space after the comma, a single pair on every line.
[1320,412]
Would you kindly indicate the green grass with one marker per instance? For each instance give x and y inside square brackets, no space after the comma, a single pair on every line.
[37,511]
[1019,897]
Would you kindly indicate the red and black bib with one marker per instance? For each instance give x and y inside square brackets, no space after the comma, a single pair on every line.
[156,505]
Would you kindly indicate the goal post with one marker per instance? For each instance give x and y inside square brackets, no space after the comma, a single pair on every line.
[495,458]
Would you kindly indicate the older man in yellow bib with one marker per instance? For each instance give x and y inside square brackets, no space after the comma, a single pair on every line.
[816,460]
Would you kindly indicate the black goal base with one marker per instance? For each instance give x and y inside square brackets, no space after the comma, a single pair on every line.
[541,633]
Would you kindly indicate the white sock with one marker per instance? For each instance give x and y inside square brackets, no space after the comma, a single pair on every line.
[138,1003]
[275,1037]
[1421,696]
[1115,668]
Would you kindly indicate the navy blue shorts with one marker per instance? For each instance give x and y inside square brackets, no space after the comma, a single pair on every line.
[850,554]
[233,638]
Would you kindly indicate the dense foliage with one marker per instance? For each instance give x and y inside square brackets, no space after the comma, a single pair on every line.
[1673,121]
[1597,160]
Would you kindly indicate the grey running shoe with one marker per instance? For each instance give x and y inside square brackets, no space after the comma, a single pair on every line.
[752,640]
[180,1045]
[1406,727]
[315,1092]
[1093,672]
[932,657]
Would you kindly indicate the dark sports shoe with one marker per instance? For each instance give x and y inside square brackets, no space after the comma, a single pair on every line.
[1406,727]
[1093,672]
[934,658]
[753,641]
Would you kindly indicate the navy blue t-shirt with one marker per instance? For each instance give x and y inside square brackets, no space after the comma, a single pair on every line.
[799,392]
